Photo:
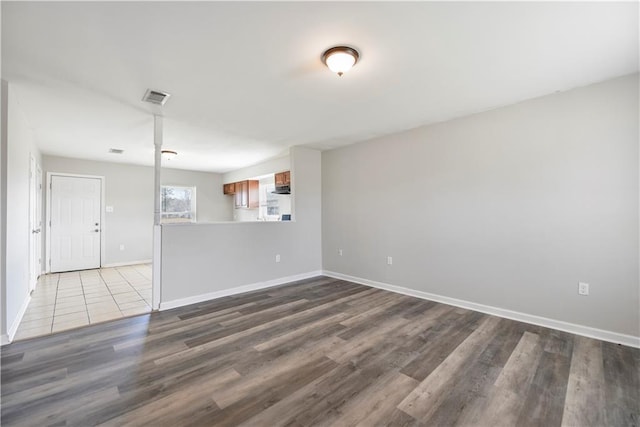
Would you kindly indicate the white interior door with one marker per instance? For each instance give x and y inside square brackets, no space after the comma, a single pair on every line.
[35,222]
[75,223]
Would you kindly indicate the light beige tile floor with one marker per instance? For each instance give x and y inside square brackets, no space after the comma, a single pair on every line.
[70,300]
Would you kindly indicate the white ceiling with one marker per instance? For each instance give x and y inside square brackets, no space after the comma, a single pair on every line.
[247,81]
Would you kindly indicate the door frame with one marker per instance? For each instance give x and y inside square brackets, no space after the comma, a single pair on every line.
[35,200]
[103,225]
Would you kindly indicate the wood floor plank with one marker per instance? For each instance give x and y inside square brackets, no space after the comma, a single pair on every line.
[420,308]
[365,340]
[272,390]
[399,418]
[375,403]
[222,304]
[363,312]
[239,387]
[622,394]
[324,337]
[467,395]
[318,352]
[178,406]
[422,401]
[11,358]
[512,385]
[585,402]
[377,318]
[544,402]
[46,410]
[284,412]
[292,334]
[31,381]
[263,330]
[452,331]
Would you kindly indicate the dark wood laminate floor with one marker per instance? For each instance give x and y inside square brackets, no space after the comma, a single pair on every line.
[319,352]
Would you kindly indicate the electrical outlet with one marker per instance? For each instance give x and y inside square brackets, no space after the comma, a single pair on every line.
[389,260]
[583,288]
[278,258]
[122,247]
[109,209]
[340,252]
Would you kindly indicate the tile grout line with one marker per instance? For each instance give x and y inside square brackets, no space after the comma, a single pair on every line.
[114,298]
[135,267]
[110,294]
[55,309]
[84,297]
[31,309]
[134,288]
[147,278]
[55,304]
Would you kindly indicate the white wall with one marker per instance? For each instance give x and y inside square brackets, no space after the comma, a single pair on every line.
[3,199]
[509,208]
[211,203]
[129,190]
[20,146]
[278,164]
[3,203]
[201,260]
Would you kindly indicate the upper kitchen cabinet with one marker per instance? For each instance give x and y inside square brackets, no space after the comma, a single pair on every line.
[246,194]
[229,188]
[283,178]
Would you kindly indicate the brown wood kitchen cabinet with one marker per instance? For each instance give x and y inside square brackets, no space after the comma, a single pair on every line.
[246,194]
[229,188]
[283,178]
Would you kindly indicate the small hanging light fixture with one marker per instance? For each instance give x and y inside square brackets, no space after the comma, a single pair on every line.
[340,59]
[168,154]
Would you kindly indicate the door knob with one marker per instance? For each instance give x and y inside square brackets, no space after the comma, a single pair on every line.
[35,231]
[97,230]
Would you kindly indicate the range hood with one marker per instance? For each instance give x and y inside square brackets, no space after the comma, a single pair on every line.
[283,189]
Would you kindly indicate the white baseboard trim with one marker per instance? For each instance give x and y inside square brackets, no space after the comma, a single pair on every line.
[237,290]
[587,331]
[11,333]
[124,264]
[4,339]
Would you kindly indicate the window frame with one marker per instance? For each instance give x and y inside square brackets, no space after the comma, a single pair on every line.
[194,205]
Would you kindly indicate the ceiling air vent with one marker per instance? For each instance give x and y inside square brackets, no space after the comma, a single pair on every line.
[155,97]
[116,151]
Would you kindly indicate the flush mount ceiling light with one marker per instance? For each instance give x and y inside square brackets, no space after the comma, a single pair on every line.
[168,154]
[340,59]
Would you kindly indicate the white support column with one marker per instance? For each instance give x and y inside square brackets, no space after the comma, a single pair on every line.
[157,141]
[157,228]
[157,267]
